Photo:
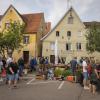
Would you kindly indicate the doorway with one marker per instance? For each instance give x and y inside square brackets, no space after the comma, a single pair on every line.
[26,56]
[52,59]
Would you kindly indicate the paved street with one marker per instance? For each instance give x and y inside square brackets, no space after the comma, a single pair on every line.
[31,89]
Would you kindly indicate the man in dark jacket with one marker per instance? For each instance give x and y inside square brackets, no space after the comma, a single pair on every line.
[73,63]
[21,66]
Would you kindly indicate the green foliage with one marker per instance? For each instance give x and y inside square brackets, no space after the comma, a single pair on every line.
[58,72]
[78,73]
[67,73]
[93,38]
[11,38]
[2,45]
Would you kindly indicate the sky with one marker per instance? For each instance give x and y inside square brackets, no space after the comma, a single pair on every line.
[88,10]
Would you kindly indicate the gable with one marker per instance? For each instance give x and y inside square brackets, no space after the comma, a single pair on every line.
[63,25]
[33,22]
[11,15]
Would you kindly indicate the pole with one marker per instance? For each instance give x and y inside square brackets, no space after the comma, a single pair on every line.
[56,51]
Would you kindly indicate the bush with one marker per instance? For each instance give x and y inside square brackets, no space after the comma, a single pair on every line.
[58,72]
[78,73]
[66,73]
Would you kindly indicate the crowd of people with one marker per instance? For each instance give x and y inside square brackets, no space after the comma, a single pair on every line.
[90,76]
[12,70]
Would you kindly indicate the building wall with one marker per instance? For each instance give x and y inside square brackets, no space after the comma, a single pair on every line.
[10,16]
[78,32]
[40,34]
[31,47]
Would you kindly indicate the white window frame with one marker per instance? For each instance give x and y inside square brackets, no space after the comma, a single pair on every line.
[26,39]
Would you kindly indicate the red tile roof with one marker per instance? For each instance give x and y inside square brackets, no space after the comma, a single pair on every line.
[32,21]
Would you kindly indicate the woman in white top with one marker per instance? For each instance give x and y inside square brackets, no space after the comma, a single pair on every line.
[85,73]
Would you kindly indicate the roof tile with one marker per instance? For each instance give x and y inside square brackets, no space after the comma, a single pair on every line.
[32,21]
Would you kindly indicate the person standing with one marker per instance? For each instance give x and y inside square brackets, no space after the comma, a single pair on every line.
[12,71]
[32,64]
[73,63]
[21,66]
[85,73]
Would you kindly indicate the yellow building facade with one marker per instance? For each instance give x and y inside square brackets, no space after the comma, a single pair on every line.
[35,28]
[70,36]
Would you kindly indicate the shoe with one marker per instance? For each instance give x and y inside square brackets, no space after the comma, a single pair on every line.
[86,88]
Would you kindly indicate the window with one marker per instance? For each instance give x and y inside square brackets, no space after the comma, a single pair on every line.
[70,20]
[7,25]
[78,46]
[68,46]
[26,39]
[69,33]
[57,33]
[52,46]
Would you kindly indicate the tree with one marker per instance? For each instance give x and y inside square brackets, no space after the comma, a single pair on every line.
[93,38]
[2,46]
[11,38]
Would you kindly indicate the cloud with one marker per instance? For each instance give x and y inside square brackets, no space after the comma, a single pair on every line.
[88,10]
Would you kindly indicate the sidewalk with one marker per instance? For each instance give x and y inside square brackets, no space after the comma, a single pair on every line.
[86,95]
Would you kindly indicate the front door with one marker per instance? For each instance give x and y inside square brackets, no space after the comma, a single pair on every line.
[26,56]
[52,59]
